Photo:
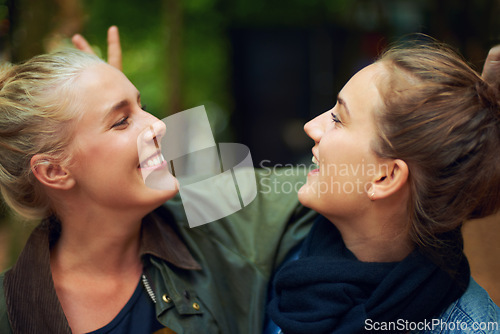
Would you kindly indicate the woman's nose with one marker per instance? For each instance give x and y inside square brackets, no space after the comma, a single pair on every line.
[314,128]
[154,131]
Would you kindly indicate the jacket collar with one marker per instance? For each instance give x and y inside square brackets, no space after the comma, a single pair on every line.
[162,240]
[30,294]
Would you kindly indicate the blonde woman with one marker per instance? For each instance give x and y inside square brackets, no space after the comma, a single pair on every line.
[109,256]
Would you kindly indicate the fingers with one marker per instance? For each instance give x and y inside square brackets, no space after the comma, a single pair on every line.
[114,48]
[491,69]
[81,43]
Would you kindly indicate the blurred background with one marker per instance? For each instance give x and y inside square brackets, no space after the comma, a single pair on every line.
[261,68]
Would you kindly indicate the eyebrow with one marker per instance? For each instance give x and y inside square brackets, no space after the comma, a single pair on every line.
[120,105]
[342,103]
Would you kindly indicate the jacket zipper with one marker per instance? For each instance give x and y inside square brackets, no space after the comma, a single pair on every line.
[147,286]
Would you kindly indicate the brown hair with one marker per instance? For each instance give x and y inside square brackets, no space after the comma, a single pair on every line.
[36,116]
[443,120]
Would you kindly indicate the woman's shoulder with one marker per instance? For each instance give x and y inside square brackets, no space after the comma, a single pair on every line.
[474,312]
[264,196]
[274,209]
[477,303]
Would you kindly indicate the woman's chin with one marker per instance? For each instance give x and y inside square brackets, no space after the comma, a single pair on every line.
[306,195]
[162,185]
[161,179]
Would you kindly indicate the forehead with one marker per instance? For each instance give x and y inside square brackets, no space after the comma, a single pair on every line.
[362,91]
[368,77]
[100,77]
[100,86]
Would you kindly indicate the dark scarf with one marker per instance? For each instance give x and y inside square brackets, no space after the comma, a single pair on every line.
[327,290]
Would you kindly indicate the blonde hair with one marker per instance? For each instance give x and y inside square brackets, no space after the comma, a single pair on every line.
[443,120]
[36,117]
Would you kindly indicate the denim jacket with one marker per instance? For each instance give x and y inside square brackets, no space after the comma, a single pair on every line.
[474,312]
[208,279]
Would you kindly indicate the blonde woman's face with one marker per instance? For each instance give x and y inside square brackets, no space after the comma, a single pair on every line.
[346,163]
[105,159]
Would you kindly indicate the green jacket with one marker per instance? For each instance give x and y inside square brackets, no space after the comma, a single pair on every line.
[208,279]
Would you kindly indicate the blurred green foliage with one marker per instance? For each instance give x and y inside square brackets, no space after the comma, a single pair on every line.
[141,39]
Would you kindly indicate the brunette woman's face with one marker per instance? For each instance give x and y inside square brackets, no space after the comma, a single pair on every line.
[105,159]
[346,163]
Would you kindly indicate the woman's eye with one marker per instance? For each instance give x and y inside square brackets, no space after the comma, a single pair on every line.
[336,119]
[121,123]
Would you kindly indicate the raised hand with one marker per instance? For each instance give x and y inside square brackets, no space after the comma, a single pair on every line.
[491,69]
[114,47]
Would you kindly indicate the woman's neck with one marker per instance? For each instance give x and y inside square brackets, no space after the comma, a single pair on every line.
[376,236]
[378,248]
[95,267]
[106,244]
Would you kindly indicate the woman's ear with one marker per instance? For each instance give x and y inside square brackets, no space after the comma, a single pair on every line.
[51,173]
[392,177]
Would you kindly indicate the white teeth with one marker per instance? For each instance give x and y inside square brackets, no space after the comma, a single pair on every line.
[155,161]
[314,160]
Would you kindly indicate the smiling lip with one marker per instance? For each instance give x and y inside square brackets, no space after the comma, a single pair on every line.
[316,162]
[313,172]
[155,161]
